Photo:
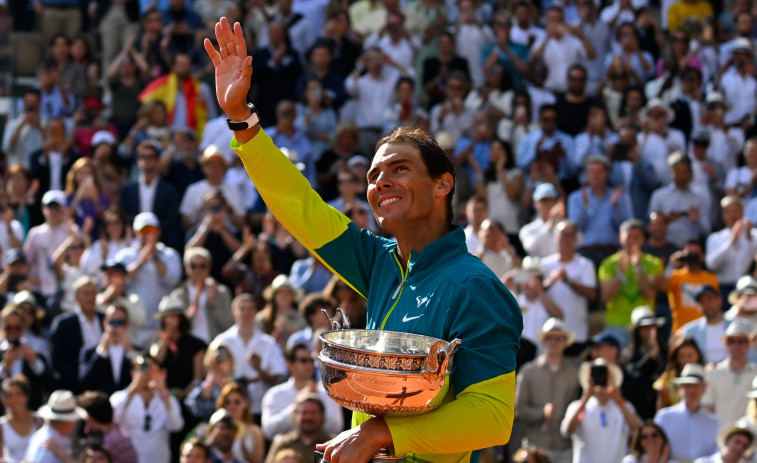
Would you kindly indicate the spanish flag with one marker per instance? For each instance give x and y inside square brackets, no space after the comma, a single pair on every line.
[164,89]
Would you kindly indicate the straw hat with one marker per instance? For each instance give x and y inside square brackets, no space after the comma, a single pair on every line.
[737,328]
[692,373]
[584,372]
[281,282]
[645,316]
[730,431]
[555,324]
[657,103]
[61,406]
[747,284]
[169,306]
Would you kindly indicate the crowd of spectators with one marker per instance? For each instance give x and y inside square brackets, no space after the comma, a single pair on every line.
[606,171]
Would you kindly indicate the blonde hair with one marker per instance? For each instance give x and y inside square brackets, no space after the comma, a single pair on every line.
[72,184]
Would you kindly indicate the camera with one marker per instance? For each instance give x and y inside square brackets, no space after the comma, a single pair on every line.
[599,375]
[14,342]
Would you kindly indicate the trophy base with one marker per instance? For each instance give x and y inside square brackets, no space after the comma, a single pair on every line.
[383,456]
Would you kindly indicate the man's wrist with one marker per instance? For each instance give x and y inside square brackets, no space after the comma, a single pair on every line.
[239,114]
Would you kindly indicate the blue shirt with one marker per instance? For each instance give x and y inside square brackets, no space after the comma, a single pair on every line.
[480,154]
[599,220]
[526,153]
[519,50]
[691,435]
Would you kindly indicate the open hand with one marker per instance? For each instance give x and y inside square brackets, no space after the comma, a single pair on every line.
[233,69]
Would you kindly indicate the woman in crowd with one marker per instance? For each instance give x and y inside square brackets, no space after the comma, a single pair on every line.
[19,423]
[21,189]
[66,260]
[81,58]
[347,299]
[316,118]
[219,364]
[249,444]
[83,194]
[280,317]
[645,358]
[649,445]
[114,236]
[683,351]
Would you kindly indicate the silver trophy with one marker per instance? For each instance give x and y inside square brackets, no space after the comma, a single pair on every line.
[384,373]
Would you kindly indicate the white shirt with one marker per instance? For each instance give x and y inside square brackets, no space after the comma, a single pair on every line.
[740,92]
[216,132]
[470,39]
[726,390]
[191,203]
[200,320]
[147,193]
[574,306]
[278,410]
[17,367]
[271,360]
[116,354]
[471,238]
[655,150]
[538,239]
[37,451]
[42,241]
[603,434]
[151,442]
[91,330]
[738,178]
[374,96]
[55,159]
[527,37]
[729,261]
[534,316]
[714,349]
[403,52]
[559,55]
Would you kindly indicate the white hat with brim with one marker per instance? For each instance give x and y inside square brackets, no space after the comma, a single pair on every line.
[170,305]
[746,284]
[62,407]
[645,316]
[556,325]
[657,103]
[692,373]
[738,328]
[730,431]
[584,372]
[281,282]
[753,393]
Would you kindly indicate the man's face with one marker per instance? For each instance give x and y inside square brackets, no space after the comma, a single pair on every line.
[555,342]
[455,88]
[681,175]
[401,192]
[85,297]
[482,128]
[596,175]
[54,213]
[192,454]
[691,394]
[321,57]
[736,446]
[147,161]
[244,313]
[182,67]
[576,82]
[691,82]
[522,15]
[744,24]
[737,347]
[476,212]
[491,236]
[308,418]
[658,226]
[632,239]
[347,184]
[31,103]
[198,268]
[116,323]
[214,169]
[711,304]
[548,120]
[302,367]
[223,435]
[286,113]
[13,327]
[566,239]
[586,9]
[544,205]
[732,213]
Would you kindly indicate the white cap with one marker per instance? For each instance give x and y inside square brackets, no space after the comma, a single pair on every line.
[54,196]
[103,136]
[145,219]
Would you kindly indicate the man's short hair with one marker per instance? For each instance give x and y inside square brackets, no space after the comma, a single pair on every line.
[242,298]
[198,443]
[83,281]
[434,158]
[99,448]
[312,397]
[312,303]
[291,352]
[97,406]
[631,224]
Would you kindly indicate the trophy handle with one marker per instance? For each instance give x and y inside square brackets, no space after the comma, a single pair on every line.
[438,359]
[335,324]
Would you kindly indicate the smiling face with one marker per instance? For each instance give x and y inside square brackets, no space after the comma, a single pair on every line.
[401,193]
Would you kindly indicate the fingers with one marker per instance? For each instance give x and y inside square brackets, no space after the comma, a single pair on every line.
[247,69]
[221,39]
[228,36]
[241,46]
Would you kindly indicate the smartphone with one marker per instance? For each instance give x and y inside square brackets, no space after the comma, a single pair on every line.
[620,152]
[599,375]
[15,342]
[222,354]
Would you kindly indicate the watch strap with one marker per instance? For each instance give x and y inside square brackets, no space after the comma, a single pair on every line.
[247,123]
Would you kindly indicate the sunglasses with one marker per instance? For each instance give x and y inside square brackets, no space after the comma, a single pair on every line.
[148,421]
[12,327]
[651,435]
[216,208]
[54,206]
[741,341]
[195,266]
[116,322]
[304,360]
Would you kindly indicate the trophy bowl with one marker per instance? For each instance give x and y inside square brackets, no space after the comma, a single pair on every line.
[385,373]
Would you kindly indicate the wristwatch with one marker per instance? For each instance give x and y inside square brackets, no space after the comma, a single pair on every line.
[247,123]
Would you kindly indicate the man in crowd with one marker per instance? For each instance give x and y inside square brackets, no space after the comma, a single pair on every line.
[543,391]
[309,417]
[23,135]
[690,428]
[279,402]
[685,281]
[538,236]
[51,440]
[476,212]
[735,442]
[709,329]
[100,419]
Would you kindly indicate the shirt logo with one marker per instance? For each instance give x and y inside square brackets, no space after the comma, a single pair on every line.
[406,319]
[424,300]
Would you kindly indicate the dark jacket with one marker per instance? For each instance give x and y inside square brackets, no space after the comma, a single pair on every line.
[67,341]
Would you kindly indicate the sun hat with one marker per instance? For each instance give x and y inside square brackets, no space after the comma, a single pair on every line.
[61,406]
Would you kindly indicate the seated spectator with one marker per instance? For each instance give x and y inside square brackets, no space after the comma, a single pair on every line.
[286,134]
[261,361]
[684,282]
[689,426]
[739,179]
[100,419]
[708,330]
[598,136]
[476,211]
[219,365]
[72,332]
[631,171]
[688,212]
[405,112]
[644,358]
[309,417]
[738,83]
[19,422]
[51,443]
[154,269]
[310,309]
[543,391]
[107,367]
[734,443]
[221,431]
[730,380]
[214,166]
[175,349]
[625,273]
[538,237]
[279,402]
[682,352]
[349,188]
[507,54]
[725,142]
[249,444]
[147,411]
[26,301]
[66,261]
[180,163]
[728,250]
[57,101]
[396,43]
[601,422]
[649,443]
[345,145]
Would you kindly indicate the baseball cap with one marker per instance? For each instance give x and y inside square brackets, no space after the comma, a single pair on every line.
[145,219]
[545,190]
[103,136]
[54,196]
